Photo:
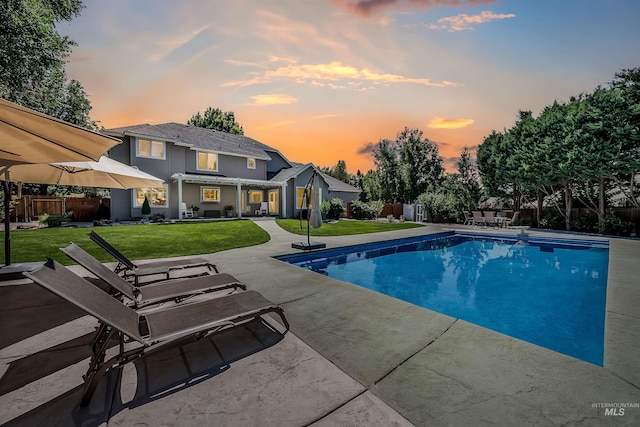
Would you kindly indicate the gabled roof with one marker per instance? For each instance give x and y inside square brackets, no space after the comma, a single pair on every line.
[197,138]
[297,168]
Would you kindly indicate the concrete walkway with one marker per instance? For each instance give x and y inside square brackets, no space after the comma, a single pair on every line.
[353,357]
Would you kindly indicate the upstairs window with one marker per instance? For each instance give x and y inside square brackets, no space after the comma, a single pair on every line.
[251,163]
[151,149]
[207,161]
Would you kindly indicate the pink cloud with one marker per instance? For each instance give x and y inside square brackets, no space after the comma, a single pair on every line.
[368,8]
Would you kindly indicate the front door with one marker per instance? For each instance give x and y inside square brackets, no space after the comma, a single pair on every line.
[274,202]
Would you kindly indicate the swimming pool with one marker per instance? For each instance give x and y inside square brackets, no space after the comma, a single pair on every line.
[549,292]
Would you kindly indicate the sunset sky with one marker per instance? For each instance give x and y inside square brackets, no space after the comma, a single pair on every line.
[323,80]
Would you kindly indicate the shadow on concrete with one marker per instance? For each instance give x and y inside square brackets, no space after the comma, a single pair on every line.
[31,368]
[157,376]
[28,310]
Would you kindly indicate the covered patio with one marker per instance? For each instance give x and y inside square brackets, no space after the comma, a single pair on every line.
[217,192]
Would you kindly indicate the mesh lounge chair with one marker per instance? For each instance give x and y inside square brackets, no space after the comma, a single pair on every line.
[155,293]
[151,331]
[490,218]
[478,219]
[130,270]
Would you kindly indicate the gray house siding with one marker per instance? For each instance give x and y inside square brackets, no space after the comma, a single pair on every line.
[182,144]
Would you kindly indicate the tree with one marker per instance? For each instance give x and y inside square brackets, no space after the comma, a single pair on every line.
[214,118]
[33,57]
[468,176]
[421,165]
[339,171]
[387,162]
[407,166]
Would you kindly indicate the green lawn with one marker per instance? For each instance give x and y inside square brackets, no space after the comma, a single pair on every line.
[343,227]
[136,241]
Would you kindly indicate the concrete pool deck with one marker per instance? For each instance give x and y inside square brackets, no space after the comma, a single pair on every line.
[353,357]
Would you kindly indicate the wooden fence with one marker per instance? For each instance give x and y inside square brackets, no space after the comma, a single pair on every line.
[30,208]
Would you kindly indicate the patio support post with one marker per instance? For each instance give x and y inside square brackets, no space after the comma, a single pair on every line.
[179,197]
[283,200]
[238,195]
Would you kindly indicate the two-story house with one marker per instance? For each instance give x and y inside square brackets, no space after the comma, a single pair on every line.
[211,170]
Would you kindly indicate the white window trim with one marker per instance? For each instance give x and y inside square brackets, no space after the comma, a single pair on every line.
[136,205]
[249,161]
[202,200]
[207,153]
[164,149]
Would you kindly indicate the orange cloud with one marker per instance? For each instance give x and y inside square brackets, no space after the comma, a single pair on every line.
[314,74]
[442,123]
[463,21]
[368,8]
[273,99]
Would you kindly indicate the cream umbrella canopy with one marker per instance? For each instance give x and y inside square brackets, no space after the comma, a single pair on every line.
[106,173]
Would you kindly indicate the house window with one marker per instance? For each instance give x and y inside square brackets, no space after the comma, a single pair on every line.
[255,196]
[301,203]
[209,194]
[251,163]
[150,149]
[207,161]
[157,196]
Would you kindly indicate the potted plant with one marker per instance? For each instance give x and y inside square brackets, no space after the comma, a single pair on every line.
[146,208]
[229,211]
[195,210]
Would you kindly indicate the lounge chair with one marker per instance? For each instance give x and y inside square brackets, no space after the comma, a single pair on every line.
[478,219]
[508,221]
[490,218]
[129,270]
[155,293]
[152,331]
[468,218]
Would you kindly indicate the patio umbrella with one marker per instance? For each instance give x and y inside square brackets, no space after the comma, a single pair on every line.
[28,136]
[106,173]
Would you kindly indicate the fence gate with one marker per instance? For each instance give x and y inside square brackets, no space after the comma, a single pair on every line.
[419,212]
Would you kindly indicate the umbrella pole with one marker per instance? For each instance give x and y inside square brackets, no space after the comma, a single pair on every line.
[6,186]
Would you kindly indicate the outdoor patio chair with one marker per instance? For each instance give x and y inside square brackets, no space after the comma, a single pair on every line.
[131,271]
[264,209]
[186,212]
[468,218]
[490,218]
[478,219]
[177,290]
[509,221]
[152,331]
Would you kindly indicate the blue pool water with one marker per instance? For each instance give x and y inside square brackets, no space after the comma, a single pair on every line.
[548,292]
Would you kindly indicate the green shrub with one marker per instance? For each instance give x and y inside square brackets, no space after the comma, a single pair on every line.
[440,206]
[362,210]
[325,206]
[613,225]
[335,208]
[146,207]
[53,220]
